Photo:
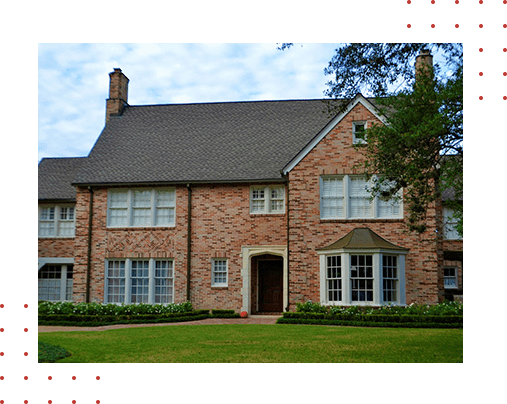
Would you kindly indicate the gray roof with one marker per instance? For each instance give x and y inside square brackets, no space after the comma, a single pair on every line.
[55,177]
[362,238]
[210,142]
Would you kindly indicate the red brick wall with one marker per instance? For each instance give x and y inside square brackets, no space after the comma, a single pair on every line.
[54,247]
[336,155]
[221,224]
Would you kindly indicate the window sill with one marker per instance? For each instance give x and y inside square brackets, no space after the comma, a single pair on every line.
[365,220]
[266,214]
[149,228]
[57,237]
[220,287]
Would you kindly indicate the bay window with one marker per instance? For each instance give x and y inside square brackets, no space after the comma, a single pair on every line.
[352,278]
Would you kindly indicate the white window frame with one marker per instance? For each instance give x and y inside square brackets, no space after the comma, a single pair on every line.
[57,220]
[454,277]
[154,208]
[346,279]
[214,272]
[65,283]
[267,199]
[152,295]
[346,180]
[358,140]
[449,225]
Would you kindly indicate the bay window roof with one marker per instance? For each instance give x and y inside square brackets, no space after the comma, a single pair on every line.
[363,238]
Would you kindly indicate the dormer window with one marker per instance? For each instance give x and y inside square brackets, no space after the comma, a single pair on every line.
[359,132]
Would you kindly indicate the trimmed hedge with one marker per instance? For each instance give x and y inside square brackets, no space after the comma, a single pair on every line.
[216,313]
[373,320]
[84,320]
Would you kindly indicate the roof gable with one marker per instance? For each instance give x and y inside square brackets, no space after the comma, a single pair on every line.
[358,99]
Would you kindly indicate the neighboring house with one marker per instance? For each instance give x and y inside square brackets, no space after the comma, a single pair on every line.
[251,206]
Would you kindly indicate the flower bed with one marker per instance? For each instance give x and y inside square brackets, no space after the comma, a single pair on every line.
[444,315]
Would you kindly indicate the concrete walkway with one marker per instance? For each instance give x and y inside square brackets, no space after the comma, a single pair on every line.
[210,321]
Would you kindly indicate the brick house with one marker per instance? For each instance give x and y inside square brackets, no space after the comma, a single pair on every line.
[251,206]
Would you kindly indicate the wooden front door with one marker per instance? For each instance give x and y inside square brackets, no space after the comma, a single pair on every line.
[270,286]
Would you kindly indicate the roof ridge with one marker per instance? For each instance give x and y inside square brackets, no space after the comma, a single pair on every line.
[231,102]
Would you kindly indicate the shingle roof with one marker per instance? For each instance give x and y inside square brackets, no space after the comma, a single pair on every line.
[55,177]
[211,142]
[362,238]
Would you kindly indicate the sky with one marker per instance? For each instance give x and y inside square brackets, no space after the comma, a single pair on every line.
[73,81]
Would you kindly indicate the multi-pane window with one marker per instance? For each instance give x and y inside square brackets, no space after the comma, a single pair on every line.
[269,199]
[332,205]
[219,272]
[56,221]
[115,281]
[349,197]
[164,281]
[361,278]
[389,278]
[359,132]
[450,222]
[141,207]
[140,281]
[334,278]
[55,282]
[372,278]
[360,198]
[450,278]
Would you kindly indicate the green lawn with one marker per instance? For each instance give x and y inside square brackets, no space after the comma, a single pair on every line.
[260,343]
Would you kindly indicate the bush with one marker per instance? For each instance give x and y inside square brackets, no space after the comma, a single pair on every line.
[112,309]
[217,313]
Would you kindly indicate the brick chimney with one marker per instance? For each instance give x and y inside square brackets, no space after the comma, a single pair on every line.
[118,93]
[423,63]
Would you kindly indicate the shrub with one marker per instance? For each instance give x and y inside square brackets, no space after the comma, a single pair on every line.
[51,353]
[112,309]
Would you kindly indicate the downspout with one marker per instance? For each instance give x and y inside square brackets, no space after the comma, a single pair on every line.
[89,264]
[288,250]
[189,238]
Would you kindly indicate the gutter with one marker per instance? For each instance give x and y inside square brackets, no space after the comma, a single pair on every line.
[89,263]
[189,238]
[288,245]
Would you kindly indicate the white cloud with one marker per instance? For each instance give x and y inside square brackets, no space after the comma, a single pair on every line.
[74,82]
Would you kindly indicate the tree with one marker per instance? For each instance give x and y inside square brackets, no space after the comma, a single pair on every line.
[420,147]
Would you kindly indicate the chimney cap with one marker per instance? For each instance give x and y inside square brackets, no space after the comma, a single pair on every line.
[424,52]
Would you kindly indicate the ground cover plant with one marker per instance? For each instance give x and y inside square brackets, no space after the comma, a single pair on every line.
[253,343]
[51,353]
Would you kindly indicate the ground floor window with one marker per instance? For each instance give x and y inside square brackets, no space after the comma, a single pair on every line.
[374,278]
[139,281]
[219,272]
[450,278]
[55,282]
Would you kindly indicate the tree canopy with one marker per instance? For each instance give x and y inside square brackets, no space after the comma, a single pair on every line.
[420,148]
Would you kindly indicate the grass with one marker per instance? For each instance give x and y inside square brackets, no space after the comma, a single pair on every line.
[249,343]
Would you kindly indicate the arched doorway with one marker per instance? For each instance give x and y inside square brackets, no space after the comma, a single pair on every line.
[265,279]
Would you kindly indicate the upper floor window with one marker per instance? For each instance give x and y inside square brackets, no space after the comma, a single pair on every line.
[450,222]
[349,197]
[359,132]
[268,199]
[141,207]
[57,221]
